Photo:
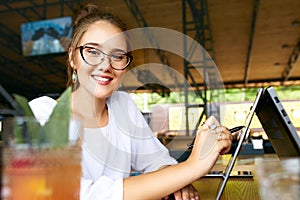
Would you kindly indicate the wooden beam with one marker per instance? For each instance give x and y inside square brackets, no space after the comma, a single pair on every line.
[293,61]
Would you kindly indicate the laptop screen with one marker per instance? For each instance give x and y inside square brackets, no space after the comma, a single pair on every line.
[277,124]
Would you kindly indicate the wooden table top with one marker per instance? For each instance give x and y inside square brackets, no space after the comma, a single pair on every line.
[236,188]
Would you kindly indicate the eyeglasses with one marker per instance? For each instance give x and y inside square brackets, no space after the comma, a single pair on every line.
[118,58]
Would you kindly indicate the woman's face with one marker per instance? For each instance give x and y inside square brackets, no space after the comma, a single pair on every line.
[100,80]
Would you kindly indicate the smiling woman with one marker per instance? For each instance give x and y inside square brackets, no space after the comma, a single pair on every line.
[116,138]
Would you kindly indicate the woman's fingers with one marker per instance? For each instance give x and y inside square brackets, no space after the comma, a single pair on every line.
[211,123]
[225,146]
[209,138]
[224,133]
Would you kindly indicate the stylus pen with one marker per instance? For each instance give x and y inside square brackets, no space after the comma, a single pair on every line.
[232,130]
[235,129]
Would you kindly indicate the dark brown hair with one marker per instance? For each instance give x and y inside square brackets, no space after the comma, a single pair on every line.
[87,15]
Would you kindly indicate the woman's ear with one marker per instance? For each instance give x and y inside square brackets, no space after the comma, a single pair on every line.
[70,57]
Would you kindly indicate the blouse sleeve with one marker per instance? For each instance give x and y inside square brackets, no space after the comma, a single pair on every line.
[148,153]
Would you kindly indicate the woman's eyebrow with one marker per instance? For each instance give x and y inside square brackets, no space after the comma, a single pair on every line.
[93,44]
[99,46]
[118,50]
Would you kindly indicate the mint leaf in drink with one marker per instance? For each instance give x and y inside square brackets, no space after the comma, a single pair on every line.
[26,131]
[23,103]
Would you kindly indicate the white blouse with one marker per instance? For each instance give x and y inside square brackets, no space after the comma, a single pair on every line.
[110,153]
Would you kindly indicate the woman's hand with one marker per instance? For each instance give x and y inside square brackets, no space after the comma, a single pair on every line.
[186,193]
[211,141]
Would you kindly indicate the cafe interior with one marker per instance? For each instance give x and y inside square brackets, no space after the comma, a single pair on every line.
[232,44]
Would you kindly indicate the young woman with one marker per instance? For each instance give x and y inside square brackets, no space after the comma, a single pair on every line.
[116,138]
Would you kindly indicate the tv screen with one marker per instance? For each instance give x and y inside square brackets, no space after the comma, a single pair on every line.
[46,36]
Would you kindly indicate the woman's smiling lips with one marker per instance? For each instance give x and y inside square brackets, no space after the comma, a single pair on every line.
[102,80]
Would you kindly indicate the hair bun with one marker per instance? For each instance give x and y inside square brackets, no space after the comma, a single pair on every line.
[84,11]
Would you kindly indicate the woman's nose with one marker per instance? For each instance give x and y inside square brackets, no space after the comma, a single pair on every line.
[105,63]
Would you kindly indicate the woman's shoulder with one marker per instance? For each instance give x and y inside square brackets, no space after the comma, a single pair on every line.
[120,94]
[119,98]
[122,101]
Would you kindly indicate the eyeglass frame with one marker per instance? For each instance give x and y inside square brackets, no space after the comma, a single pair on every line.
[82,47]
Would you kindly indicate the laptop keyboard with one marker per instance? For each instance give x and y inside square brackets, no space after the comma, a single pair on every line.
[233,174]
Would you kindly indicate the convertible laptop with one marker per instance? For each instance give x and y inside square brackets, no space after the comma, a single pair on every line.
[277,125]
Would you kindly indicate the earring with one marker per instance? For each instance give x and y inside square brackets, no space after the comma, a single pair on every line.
[74,76]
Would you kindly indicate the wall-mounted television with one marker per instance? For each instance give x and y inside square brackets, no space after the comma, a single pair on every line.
[46,36]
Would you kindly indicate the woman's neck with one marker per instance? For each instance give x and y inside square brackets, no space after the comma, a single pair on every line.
[92,111]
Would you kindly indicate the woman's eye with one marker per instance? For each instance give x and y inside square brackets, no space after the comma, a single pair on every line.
[93,52]
[117,56]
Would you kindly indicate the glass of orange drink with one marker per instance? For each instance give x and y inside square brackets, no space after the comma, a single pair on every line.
[38,168]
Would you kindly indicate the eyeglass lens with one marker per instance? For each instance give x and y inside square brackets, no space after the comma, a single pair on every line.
[92,56]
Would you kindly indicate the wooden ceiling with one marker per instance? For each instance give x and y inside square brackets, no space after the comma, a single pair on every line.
[252,42]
